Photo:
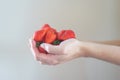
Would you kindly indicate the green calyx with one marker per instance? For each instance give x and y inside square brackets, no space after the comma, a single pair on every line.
[56,42]
[38,44]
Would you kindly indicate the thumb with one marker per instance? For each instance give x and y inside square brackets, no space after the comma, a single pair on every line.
[51,48]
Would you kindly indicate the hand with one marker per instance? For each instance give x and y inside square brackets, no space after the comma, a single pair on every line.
[66,51]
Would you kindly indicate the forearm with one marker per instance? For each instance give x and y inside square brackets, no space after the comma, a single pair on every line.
[112,42]
[108,53]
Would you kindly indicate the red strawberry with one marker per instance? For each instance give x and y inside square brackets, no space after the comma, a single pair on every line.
[51,35]
[46,27]
[39,35]
[41,50]
[66,34]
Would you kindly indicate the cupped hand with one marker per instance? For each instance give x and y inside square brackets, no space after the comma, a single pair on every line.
[57,54]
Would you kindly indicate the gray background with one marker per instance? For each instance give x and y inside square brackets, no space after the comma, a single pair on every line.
[95,20]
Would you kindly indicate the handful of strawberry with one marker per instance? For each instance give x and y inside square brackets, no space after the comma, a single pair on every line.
[49,35]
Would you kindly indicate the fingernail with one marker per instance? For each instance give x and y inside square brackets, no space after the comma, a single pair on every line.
[42,45]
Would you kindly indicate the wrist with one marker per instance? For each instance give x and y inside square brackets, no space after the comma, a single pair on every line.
[82,49]
[86,48]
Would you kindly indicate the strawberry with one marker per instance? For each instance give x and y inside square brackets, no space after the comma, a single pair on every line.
[46,27]
[41,50]
[51,35]
[39,35]
[66,34]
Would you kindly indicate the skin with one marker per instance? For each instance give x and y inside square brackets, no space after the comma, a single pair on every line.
[72,48]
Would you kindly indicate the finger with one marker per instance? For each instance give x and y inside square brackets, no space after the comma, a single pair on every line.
[44,63]
[49,59]
[68,41]
[33,48]
[51,48]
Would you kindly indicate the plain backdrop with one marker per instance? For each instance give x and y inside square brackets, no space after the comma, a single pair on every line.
[95,20]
